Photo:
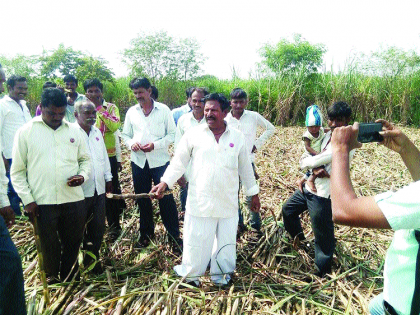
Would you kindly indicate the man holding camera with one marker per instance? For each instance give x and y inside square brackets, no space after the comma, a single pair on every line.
[399,211]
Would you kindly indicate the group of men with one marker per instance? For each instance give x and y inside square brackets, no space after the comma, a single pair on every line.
[61,163]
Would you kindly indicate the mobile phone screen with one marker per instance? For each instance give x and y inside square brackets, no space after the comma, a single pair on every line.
[369,132]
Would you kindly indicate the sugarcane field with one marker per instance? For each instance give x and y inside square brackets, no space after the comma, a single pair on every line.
[274,274]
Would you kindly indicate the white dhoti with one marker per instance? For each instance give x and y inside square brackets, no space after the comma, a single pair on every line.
[208,239]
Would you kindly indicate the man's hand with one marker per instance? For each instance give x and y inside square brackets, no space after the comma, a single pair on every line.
[147,147]
[108,187]
[320,172]
[300,183]
[136,147]
[32,211]
[8,215]
[394,139]
[255,204]
[119,166]
[158,190]
[75,180]
[182,182]
[345,138]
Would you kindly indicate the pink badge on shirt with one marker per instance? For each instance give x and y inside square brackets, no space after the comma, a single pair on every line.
[231,145]
[97,139]
[72,140]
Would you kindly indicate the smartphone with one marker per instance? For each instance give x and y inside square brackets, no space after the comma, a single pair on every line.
[369,132]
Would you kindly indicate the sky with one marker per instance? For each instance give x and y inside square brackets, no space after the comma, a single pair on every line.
[230,32]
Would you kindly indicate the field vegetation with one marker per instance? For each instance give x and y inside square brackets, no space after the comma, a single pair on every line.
[272,276]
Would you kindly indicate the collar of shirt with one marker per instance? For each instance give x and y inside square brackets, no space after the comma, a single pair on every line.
[21,103]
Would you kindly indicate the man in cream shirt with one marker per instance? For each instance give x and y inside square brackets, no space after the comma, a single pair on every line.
[50,163]
[148,131]
[218,158]
[100,179]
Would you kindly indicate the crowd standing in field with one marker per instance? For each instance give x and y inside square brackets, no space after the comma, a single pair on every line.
[64,160]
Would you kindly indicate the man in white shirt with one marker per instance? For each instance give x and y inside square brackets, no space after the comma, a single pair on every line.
[148,131]
[218,158]
[13,114]
[184,109]
[71,84]
[248,122]
[12,295]
[187,121]
[398,210]
[318,203]
[99,181]
[50,163]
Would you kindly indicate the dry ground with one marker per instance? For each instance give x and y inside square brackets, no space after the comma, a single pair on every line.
[271,277]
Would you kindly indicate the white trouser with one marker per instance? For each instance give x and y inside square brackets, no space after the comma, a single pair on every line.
[205,239]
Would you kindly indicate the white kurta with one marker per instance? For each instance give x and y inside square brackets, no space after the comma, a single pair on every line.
[212,203]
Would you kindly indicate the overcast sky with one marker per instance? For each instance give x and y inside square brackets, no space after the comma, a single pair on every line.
[230,32]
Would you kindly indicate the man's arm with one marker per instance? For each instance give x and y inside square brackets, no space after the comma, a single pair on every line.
[269,130]
[347,208]
[127,133]
[179,163]
[315,161]
[83,158]
[170,132]
[18,170]
[110,117]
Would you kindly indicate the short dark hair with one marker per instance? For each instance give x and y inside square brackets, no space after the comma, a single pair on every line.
[53,96]
[339,109]
[200,90]
[219,97]
[238,93]
[155,93]
[188,91]
[70,78]
[11,81]
[138,83]
[93,82]
[49,84]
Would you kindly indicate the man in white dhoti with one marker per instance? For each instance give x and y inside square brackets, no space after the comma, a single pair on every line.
[218,158]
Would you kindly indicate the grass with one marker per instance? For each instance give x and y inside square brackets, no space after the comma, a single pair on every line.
[271,276]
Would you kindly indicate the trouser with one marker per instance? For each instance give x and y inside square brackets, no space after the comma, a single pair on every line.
[322,225]
[255,217]
[95,226]
[114,207]
[208,239]
[12,295]
[183,193]
[142,180]
[61,232]
[11,193]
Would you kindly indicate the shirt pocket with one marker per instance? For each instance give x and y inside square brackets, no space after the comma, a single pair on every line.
[229,160]
[69,152]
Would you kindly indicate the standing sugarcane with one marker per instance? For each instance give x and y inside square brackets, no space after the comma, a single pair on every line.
[41,261]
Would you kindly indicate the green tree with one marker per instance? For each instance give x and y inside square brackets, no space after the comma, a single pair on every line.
[287,57]
[26,66]
[63,61]
[160,56]
[391,62]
